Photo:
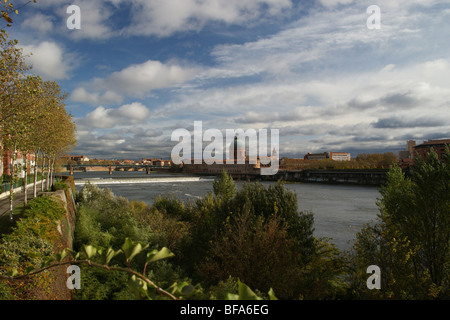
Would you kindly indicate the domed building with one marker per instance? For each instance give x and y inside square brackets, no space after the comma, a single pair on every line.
[239,166]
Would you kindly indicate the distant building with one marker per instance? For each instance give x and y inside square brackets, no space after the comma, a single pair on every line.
[7,161]
[78,158]
[409,152]
[437,145]
[158,163]
[340,156]
[336,156]
[237,163]
[410,144]
[404,154]
[405,157]
[316,156]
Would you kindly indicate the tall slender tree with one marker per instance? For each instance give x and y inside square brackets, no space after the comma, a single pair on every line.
[33,118]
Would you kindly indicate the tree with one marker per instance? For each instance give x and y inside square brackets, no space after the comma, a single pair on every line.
[19,111]
[410,242]
[424,214]
[224,186]
[32,114]
[8,9]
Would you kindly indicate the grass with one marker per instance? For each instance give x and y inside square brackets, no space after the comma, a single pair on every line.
[6,224]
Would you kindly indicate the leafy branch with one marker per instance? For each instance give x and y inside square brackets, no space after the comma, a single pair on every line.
[9,8]
[104,256]
[140,280]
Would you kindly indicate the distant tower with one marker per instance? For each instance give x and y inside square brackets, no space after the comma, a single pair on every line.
[237,151]
[410,144]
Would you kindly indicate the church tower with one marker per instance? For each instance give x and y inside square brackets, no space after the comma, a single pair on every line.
[237,151]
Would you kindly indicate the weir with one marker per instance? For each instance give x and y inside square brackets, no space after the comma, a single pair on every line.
[141,180]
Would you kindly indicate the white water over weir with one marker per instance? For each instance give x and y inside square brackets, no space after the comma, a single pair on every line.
[101,181]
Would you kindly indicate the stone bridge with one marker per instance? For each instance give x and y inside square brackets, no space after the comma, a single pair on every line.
[112,167]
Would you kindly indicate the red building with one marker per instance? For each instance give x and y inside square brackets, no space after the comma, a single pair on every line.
[437,145]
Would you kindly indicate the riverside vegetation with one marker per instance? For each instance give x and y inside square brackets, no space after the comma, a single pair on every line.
[231,240]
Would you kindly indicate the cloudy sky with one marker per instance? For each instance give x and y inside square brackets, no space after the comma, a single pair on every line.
[137,70]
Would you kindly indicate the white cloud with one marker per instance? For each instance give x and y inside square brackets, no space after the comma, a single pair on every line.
[136,80]
[95,17]
[81,95]
[49,60]
[39,22]
[94,21]
[125,115]
[333,3]
[166,17]
[141,78]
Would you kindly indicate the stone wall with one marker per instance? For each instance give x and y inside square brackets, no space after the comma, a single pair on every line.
[66,229]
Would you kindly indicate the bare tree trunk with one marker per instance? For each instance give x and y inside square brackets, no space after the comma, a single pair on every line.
[11,189]
[43,171]
[48,175]
[25,180]
[53,172]
[35,173]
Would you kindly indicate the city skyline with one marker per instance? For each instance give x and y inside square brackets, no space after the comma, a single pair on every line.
[314,70]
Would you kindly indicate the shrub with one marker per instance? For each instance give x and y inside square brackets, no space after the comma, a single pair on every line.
[60,185]
[30,243]
[260,253]
[105,220]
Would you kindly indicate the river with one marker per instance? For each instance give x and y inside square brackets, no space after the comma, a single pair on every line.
[340,211]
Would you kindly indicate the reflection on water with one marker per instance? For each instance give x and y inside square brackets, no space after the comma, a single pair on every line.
[339,210]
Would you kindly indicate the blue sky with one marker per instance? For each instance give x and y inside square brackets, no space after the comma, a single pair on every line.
[138,70]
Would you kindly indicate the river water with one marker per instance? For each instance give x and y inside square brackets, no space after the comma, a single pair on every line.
[340,211]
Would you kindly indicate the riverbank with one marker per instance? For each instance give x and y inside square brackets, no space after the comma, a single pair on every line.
[367,177]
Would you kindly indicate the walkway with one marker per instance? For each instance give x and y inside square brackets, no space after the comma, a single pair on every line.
[18,199]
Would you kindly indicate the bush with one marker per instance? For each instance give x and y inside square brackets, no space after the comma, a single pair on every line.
[60,185]
[105,220]
[30,243]
[260,253]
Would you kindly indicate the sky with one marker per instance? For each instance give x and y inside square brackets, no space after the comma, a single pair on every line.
[317,70]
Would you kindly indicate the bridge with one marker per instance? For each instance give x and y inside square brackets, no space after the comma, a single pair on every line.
[112,167]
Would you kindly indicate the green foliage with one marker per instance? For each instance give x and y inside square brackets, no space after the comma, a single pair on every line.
[60,185]
[410,242]
[255,234]
[104,221]
[101,284]
[30,244]
[260,253]
[276,199]
[224,186]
